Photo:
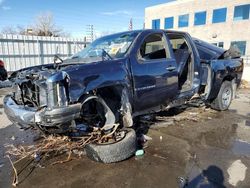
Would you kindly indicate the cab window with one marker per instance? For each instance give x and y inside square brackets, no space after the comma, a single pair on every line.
[154,47]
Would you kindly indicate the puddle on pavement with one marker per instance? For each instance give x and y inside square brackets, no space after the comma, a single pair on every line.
[241,147]
[247,123]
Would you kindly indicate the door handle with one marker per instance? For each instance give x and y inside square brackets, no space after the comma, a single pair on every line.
[171,68]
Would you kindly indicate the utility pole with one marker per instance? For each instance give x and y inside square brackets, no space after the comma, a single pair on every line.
[130,27]
[90,33]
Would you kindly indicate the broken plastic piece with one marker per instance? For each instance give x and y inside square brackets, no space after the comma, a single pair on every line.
[183,182]
[37,157]
[1,165]
[139,152]
[147,138]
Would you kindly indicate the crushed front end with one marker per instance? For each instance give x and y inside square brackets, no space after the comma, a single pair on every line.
[40,98]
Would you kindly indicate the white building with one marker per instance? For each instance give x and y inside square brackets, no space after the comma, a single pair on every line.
[222,22]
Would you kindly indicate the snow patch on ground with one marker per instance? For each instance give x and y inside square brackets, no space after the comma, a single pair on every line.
[237,172]
[4,121]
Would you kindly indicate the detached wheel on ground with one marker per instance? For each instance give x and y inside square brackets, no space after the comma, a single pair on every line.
[113,152]
[224,97]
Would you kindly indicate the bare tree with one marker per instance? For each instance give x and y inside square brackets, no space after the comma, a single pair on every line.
[9,30]
[13,30]
[45,26]
[21,30]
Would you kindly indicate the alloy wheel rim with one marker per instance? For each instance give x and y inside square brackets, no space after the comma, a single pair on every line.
[226,97]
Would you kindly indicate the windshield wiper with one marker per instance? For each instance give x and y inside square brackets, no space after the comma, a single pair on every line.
[56,63]
[75,57]
[57,57]
[105,54]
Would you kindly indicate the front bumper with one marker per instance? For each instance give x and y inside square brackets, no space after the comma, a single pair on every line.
[26,116]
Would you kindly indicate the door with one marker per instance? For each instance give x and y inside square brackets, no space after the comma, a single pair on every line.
[154,72]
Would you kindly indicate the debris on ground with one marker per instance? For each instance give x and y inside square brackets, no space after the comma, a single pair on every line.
[139,152]
[244,84]
[159,156]
[193,113]
[190,114]
[1,165]
[37,157]
[176,115]
[147,138]
[54,145]
[142,141]
[183,182]
[79,153]
[236,172]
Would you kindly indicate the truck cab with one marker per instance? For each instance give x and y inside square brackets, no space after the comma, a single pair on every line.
[174,67]
[164,64]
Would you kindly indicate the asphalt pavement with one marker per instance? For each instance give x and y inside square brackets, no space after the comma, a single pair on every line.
[197,146]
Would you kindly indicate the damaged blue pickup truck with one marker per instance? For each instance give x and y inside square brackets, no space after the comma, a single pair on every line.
[120,77]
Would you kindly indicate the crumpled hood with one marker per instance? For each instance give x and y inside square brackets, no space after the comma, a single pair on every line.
[49,70]
[85,77]
[81,77]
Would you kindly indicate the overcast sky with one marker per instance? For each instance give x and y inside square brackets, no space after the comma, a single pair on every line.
[74,15]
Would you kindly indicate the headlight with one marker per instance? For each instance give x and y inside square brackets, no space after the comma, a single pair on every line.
[61,95]
[57,94]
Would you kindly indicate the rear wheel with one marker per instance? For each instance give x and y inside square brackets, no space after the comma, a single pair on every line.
[224,97]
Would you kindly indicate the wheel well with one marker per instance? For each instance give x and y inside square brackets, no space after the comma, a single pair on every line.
[111,95]
[228,78]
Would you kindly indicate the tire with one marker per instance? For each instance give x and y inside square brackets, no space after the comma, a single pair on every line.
[224,97]
[110,153]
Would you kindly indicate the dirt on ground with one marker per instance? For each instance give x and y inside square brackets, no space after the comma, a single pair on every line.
[190,145]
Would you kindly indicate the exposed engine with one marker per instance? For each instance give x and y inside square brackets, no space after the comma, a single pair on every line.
[35,88]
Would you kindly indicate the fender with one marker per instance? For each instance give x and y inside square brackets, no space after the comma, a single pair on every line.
[95,76]
[224,70]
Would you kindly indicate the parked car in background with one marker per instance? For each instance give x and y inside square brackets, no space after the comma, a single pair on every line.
[3,72]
